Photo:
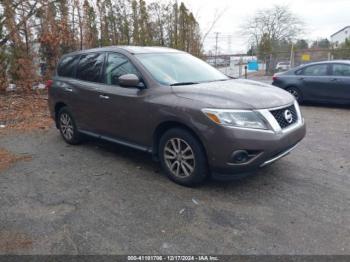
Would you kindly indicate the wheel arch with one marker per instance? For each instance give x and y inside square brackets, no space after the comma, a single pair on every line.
[301,94]
[292,86]
[165,126]
[58,107]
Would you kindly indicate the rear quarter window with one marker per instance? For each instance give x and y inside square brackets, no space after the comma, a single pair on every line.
[90,67]
[67,65]
[341,70]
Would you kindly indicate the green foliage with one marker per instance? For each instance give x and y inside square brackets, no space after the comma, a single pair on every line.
[265,45]
[90,26]
[322,43]
[3,58]
[343,51]
[301,44]
[272,29]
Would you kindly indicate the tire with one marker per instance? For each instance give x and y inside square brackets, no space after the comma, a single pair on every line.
[296,93]
[67,127]
[188,166]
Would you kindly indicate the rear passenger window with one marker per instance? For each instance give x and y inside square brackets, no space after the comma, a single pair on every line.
[341,70]
[116,66]
[90,66]
[67,66]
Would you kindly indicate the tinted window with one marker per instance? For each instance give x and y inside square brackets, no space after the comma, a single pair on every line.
[316,70]
[67,66]
[116,66]
[341,70]
[90,66]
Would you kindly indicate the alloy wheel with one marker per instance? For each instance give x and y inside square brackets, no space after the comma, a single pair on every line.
[66,126]
[179,157]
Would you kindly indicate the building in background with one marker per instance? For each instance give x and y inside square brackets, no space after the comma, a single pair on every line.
[340,36]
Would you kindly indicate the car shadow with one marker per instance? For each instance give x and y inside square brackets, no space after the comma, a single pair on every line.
[327,105]
[137,157]
[144,161]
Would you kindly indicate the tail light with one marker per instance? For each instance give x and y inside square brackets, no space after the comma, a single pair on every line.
[48,84]
[274,78]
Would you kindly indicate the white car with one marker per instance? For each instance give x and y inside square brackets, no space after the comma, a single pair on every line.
[282,66]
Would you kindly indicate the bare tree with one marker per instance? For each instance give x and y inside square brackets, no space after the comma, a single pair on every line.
[268,27]
[32,8]
[217,15]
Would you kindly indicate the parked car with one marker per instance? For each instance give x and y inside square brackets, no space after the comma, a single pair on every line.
[282,66]
[327,81]
[195,120]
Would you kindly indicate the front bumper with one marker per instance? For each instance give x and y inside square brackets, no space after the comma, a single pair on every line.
[269,152]
[268,146]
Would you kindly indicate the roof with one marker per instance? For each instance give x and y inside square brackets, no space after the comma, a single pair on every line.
[325,62]
[332,62]
[346,27]
[148,49]
[131,49]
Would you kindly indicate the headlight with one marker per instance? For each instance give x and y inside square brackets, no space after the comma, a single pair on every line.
[237,118]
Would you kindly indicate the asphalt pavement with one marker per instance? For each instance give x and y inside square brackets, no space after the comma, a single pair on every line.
[100,198]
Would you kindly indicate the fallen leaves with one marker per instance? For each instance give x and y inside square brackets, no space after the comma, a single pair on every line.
[24,112]
[7,159]
[14,241]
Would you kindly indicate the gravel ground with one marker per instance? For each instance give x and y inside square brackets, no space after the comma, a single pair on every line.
[99,198]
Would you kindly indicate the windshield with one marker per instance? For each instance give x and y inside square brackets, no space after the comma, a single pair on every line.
[175,68]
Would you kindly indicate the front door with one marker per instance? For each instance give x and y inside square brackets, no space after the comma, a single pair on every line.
[124,112]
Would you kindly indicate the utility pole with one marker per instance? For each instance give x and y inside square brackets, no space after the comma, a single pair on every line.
[229,44]
[216,45]
[292,56]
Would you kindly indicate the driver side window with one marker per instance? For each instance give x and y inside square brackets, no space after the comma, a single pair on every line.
[116,66]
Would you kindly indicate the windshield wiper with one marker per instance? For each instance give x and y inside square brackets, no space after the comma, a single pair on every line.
[184,83]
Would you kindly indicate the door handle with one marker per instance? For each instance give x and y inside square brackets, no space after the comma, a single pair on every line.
[104,97]
[334,79]
[301,78]
[68,89]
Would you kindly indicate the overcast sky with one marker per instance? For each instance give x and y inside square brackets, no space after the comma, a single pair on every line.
[321,17]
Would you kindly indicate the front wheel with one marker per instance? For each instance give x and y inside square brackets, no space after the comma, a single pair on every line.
[182,157]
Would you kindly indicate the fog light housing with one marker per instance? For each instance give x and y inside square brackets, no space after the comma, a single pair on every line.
[243,156]
[240,157]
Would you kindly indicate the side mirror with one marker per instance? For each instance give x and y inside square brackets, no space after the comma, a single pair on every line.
[129,80]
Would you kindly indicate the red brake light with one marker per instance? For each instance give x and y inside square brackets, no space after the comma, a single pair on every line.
[274,78]
[48,84]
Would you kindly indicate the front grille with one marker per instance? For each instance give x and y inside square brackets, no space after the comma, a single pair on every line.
[280,116]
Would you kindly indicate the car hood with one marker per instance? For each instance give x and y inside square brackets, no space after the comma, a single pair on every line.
[235,94]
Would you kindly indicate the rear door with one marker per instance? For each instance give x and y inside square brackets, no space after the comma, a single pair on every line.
[65,85]
[86,87]
[340,82]
[314,81]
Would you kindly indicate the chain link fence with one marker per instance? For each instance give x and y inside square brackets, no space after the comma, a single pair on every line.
[238,65]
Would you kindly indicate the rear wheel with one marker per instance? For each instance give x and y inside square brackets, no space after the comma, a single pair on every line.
[182,157]
[296,93]
[67,127]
